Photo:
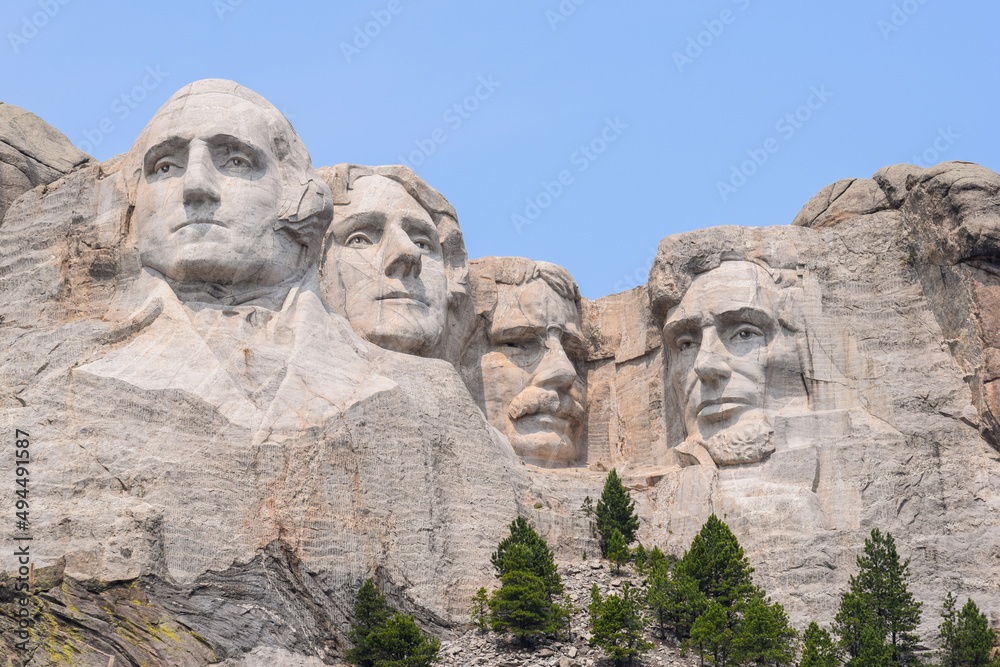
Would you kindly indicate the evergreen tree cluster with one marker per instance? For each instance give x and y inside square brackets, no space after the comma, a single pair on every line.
[384,638]
[708,601]
[526,605]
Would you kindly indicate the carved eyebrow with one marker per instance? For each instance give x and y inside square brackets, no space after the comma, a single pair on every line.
[165,147]
[514,331]
[412,223]
[749,314]
[361,220]
[237,144]
[674,328]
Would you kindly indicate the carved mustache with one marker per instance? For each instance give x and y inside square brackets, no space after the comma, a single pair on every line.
[538,399]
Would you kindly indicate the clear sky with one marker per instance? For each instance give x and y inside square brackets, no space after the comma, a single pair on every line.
[578,132]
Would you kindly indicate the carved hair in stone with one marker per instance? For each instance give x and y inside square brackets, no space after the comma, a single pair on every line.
[394,261]
[227,206]
[525,363]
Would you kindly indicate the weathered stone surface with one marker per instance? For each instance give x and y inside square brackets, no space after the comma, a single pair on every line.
[32,153]
[223,448]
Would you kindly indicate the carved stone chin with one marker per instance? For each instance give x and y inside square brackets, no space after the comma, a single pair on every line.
[750,441]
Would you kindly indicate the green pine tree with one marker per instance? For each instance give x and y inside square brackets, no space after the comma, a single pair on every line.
[479,612]
[617,551]
[382,638]
[656,557]
[716,562]
[615,510]
[541,562]
[401,643]
[763,635]
[370,613]
[711,636]
[818,650]
[523,606]
[640,555]
[674,599]
[617,625]
[878,613]
[966,637]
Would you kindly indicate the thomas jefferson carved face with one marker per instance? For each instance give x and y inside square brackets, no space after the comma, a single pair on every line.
[391,281]
[534,392]
[209,195]
[730,359]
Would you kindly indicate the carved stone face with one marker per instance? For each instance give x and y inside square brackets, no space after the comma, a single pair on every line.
[391,281]
[533,390]
[209,196]
[730,360]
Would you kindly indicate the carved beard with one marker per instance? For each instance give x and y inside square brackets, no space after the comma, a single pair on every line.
[749,442]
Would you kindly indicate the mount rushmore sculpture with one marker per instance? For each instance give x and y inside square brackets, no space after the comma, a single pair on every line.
[251,384]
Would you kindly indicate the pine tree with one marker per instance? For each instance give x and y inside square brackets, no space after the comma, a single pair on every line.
[819,650]
[966,637]
[763,635]
[617,551]
[522,605]
[382,638]
[656,557]
[479,612]
[641,557]
[541,562]
[878,613]
[711,636]
[616,510]
[674,599]
[716,562]
[401,643]
[617,625]
[370,613]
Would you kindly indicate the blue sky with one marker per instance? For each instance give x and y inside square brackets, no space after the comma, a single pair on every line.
[578,132]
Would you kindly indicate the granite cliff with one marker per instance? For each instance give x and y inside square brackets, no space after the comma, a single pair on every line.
[248,385]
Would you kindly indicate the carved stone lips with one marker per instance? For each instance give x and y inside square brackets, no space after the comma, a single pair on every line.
[196,221]
[399,295]
[719,408]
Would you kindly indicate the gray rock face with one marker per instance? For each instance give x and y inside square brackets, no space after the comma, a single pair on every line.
[32,153]
[230,431]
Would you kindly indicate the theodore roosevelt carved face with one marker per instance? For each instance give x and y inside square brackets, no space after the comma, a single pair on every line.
[533,383]
[732,357]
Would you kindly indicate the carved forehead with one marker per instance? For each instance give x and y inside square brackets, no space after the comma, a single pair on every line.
[208,115]
[533,306]
[733,286]
[378,193]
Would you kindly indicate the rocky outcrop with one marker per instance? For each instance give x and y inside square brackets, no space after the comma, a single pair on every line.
[32,153]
